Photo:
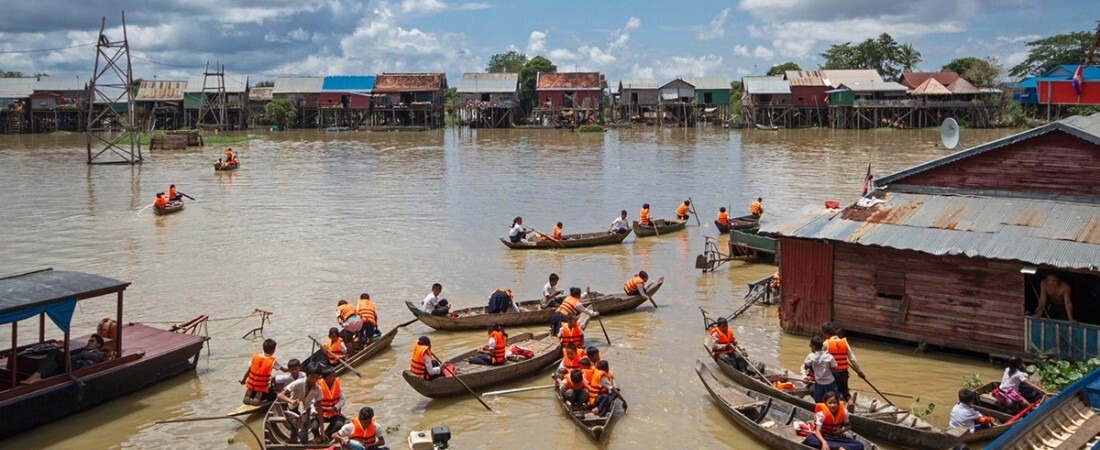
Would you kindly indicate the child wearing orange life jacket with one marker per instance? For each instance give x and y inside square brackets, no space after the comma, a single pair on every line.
[682,211]
[160,202]
[830,425]
[257,379]
[361,433]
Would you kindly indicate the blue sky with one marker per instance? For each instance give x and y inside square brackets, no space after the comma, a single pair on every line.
[637,39]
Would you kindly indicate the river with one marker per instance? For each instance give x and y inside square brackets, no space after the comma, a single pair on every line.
[313,217]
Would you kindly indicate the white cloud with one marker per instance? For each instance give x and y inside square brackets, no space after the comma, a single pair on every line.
[561,54]
[1018,39]
[536,43]
[689,66]
[473,6]
[741,50]
[422,6]
[760,52]
[716,28]
[1014,59]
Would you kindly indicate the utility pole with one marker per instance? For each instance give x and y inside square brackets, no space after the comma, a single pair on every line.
[111,89]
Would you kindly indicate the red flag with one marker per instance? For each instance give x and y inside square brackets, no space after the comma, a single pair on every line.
[1079,79]
[867,179]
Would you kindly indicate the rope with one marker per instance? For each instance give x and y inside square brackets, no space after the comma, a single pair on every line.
[173,322]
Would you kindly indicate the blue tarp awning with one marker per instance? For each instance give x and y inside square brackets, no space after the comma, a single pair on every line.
[54,292]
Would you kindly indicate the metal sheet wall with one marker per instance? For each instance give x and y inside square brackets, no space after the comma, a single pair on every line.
[806,271]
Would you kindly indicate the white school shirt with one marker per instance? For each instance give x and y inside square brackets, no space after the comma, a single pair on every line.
[619,223]
[964,416]
[431,302]
[1012,382]
[517,230]
[823,364]
[548,289]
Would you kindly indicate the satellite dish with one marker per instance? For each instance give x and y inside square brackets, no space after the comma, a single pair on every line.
[949,133]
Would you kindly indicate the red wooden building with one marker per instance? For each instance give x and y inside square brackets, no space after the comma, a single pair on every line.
[808,88]
[1062,92]
[951,252]
[410,99]
[570,90]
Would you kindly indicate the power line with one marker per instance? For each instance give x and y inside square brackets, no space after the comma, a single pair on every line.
[48,49]
[164,64]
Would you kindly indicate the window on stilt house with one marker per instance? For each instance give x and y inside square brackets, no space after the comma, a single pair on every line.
[890,285]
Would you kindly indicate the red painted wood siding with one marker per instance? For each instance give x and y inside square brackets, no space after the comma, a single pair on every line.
[556,99]
[811,96]
[806,273]
[355,101]
[1063,93]
[1053,163]
[953,301]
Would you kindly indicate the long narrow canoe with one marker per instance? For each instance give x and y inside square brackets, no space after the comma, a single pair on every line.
[879,421]
[753,239]
[747,222]
[770,420]
[663,226]
[593,424]
[278,431]
[547,351]
[533,312]
[569,241]
[225,167]
[376,345]
[173,207]
[1068,420]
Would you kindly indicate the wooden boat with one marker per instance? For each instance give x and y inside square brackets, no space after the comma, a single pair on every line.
[766,127]
[278,431]
[569,241]
[879,421]
[533,311]
[663,226]
[1068,420]
[173,207]
[547,351]
[376,345]
[770,420]
[745,222]
[987,404]
[592,424]
[219,167]
[143,355]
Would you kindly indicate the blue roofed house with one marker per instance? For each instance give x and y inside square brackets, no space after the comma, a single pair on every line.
[348,91]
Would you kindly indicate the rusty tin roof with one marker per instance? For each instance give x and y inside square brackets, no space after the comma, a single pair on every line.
[569,81]
[160,90]
[410,82]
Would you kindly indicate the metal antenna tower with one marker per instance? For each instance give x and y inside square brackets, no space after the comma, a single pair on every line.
[214,101]
[109,89]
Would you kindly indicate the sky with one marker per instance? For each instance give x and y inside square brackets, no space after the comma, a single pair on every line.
[173,39]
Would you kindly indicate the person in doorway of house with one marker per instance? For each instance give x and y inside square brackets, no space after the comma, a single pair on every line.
[1055,299]
[819,364]
[842,353]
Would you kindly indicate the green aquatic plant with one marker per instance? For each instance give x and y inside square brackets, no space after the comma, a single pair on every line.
[1059,373]
[921,411]
[590,129]
[972,382]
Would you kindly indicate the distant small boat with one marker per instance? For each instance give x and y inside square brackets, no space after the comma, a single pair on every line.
[766,127]
[173,207]
[739,223]
[225,167]
[570,241]
[658,227]
[336,129]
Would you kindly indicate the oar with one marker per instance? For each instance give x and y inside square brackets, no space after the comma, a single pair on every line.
[592,303]
[513,391]
[880,394]
[697,223]
[463,383]
[655,231]
[892,393]
[342,363]
[545,236]
[763,377]
[145,208]
[185,195]
[407,323]
[659,281]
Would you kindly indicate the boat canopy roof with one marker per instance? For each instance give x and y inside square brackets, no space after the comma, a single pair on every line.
[54,292]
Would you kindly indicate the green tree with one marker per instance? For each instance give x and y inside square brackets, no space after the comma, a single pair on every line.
[909,58]
[265,83]
[508,62]
[882,54]
[736,90]
[450,101]
[960,65]
[780,69]
[528,76]
[1048,53]
[983,73]
[280,111]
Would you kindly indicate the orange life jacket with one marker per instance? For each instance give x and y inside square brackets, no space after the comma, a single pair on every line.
[345,311]
[366,311]
[171,193]
[569,305]
[557,233]
[574,335]
[569,383]
[723,338]
[259,372]
[572,362]
[418,368]
[594,387]
[644,216]
[830,427]
[500,343]
[631,286]
[756,208]
[329,397]
[161,202]
[838,347]
[775,279]
[724,218]
[333,346]
[783,385]
[364,435]
[682,210]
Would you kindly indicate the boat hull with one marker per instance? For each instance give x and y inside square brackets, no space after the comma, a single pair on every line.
[662,226]
[569,241]
[547,353]
[739,223]
[172,208]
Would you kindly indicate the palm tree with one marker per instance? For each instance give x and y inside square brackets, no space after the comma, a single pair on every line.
[909,58]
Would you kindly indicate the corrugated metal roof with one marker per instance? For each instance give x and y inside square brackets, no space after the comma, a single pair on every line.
[16,87]
[961,86]
[72,83]
[835,78]
[887,86]
[488,83]
[569,81]
[765,85]
[1083,127]
[410,82]
[913,79]
[639,84]
[1042,232]
[805,78]
[160,90]
[234,83]
[260,94]
[709,83]
[931,86]
[349,83]
[298,85]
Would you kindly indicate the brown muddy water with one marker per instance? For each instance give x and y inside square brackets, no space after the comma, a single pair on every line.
[313,217]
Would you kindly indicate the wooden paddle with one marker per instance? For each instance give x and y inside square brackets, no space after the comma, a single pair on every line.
[692,204]
[407,323]
[463,383]
[545,236]
[185,195]
[763,377]
[342,363]
[592,304]
[513,391]
[865,380]
[659,281]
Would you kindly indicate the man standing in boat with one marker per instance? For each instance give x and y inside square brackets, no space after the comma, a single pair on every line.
[501,301]
[643,216]
[818,368]
[328,408]
[570,306]
[303,392]
[369,316]
[842,353]
[619,225]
